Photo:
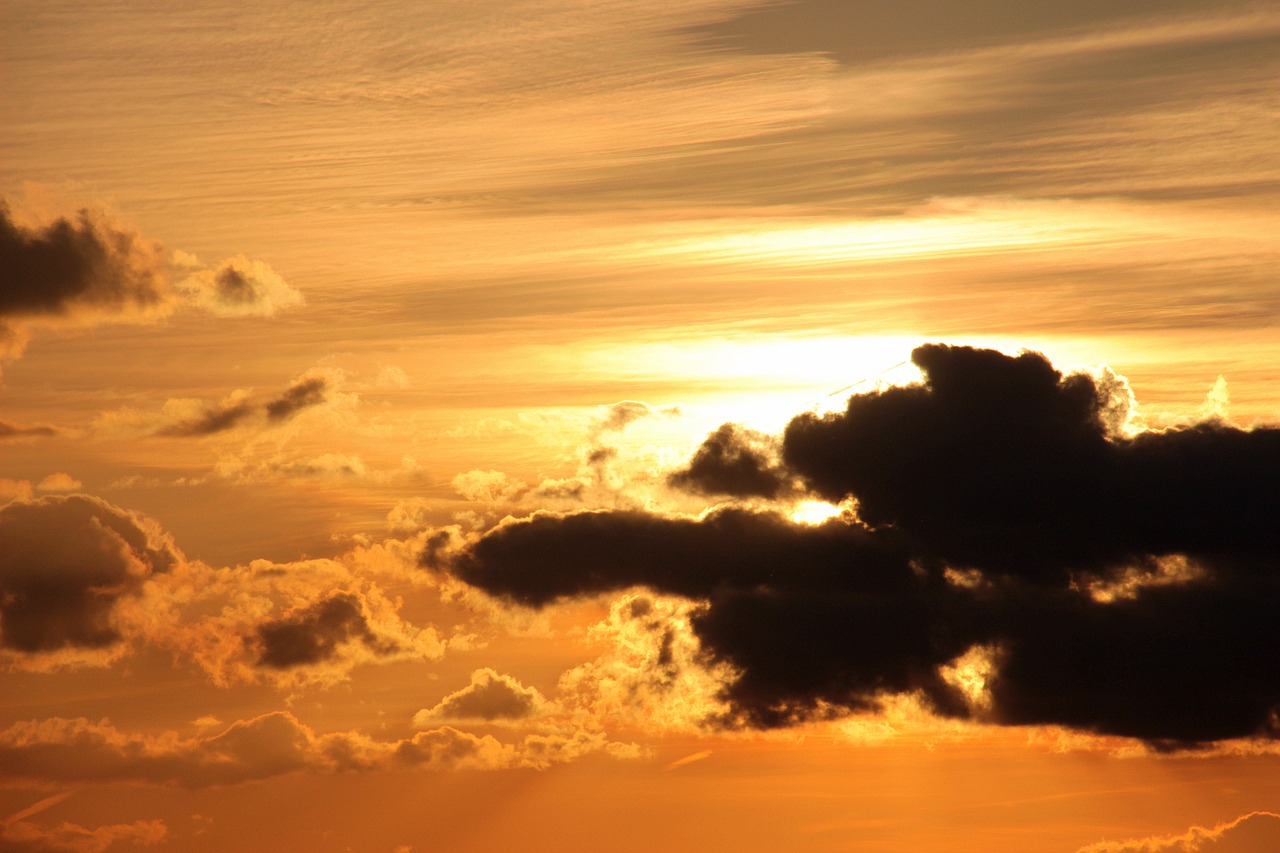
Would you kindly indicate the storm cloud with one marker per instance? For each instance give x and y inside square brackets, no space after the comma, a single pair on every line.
[1110,583]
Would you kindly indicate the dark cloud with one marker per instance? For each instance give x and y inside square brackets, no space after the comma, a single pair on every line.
[73,268]
[1005,464]
[74,264]
[312,634]
[1115,584]
[735,461]
[65,564]
[212,421]
[8,430]
[88,269]
[305,392]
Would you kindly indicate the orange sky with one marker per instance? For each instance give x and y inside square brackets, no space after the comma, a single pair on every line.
[324,326]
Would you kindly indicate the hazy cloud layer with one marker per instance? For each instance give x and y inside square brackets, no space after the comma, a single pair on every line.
[1009,526]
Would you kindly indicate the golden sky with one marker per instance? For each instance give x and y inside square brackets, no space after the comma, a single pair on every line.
[565,425]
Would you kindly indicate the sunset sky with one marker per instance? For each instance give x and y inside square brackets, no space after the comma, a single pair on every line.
[478,425]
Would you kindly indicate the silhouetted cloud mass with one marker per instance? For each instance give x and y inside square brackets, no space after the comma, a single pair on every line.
[734,461]
[65,563]
[74,267]
[312,634]
[212,421]
[1115,584]
[307,391]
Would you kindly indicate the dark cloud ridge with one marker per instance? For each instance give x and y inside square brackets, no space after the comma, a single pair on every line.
[1125,585]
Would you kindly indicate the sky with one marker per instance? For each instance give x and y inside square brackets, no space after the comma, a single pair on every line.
[606,425]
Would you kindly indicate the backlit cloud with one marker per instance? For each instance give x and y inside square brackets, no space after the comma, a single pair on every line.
[1017,557]
[490,697]
[89,269]
[66,564]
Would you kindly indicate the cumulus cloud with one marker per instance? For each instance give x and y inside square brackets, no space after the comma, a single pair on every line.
[59,481]
[239,287]
[295,625]
[313,634]
[735,461]
[89,269]
[490,697]
[62,750]
[305,392]
[1019,555]
[79,269]
[66,565]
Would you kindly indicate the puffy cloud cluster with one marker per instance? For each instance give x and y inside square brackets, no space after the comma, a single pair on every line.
[83,582]
[490,698]
[88,269]
[68,565]
[59,750]
[1019,556]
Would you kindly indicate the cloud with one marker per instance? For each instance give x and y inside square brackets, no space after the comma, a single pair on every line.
[862,31]
[66,563]
[1003,463]
[59,482]
[296,625]
[240,287]
[23,837]
[490,697]
[59,750]
[623,413]
[1250,833]
[312,634]
[77,270]
[87,269]
[1018,555]
[9,430]
[307,391]
[734,461]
